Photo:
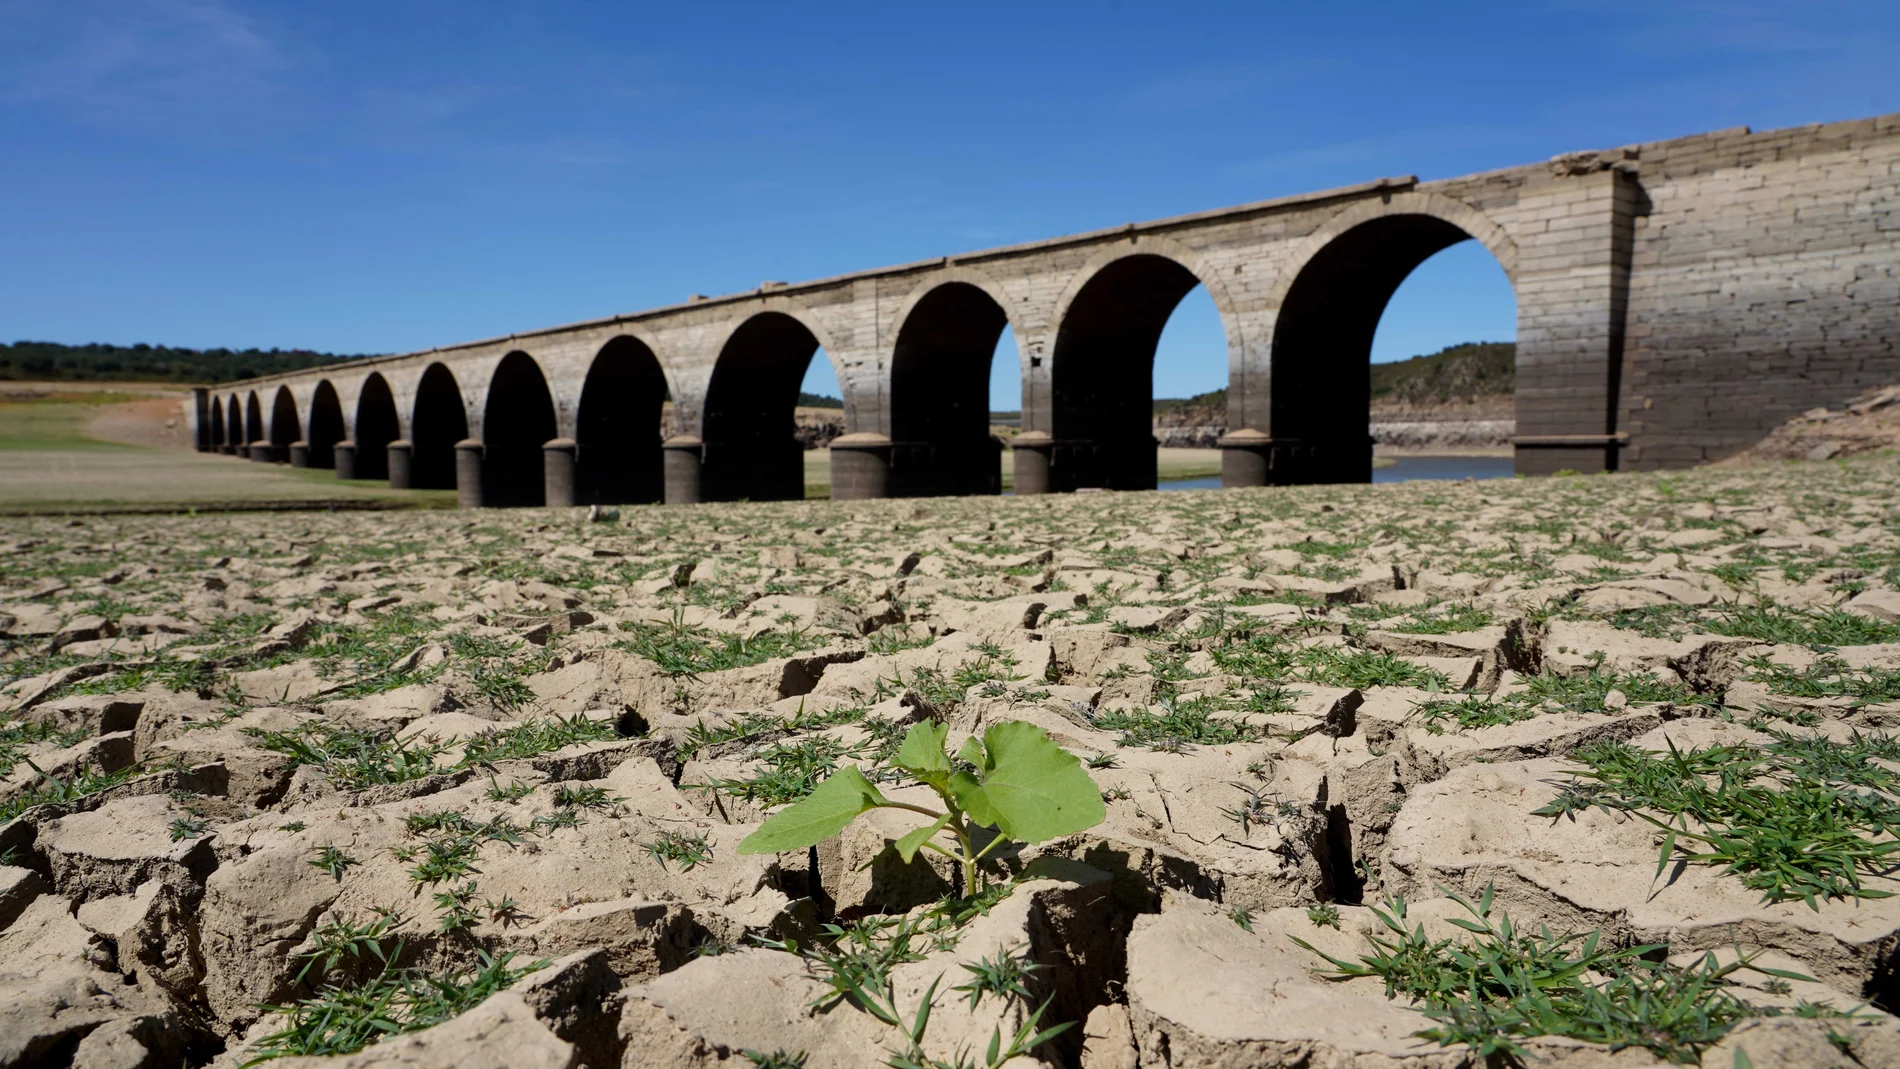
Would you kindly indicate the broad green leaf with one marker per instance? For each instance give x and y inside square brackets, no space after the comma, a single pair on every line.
[1029,788]
[971,752]
[914,840]
[922,754]
[824,813]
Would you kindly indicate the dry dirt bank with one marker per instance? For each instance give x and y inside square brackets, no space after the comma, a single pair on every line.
[269,751]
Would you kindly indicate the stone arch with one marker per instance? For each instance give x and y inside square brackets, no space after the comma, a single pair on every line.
[326,425]
[438,420]
[939,390]
[375,426]
[752,451]
[216,417]
[617,425]
[1327,306]
[517,420]
[1099,399]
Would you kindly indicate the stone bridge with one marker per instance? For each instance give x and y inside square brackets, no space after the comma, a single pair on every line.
[1675,301]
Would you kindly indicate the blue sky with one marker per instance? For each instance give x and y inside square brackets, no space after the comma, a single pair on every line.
[375,177]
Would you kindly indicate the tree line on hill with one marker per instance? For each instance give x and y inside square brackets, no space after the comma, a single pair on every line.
[45,361]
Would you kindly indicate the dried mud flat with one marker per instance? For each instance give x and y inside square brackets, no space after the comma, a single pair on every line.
[467,790]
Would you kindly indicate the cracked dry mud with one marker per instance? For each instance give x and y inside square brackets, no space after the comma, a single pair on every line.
[489,773]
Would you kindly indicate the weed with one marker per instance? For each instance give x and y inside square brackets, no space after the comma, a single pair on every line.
[1829,677]
[16,737]
[1173,724]
[535,737]
[1474,711]
[1815,628]
[1445,620]
[788,772]
[188,828]
[453,906]
[586,796]
[337,941]
[355,759]
[1335,667]
[686,851]
[1324,915]
[55,791]
[332,860]
[680,650]
[344,1019]
[1492,992]
[1259,809]
[778,1059]
[1004,976]
[1103,760]
[1801,818]
[1241,916]
[295,825]
[510,794]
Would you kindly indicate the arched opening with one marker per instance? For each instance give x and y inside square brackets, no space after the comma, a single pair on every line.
[253,420]
[617,429]
[940,387]
[285,426]
[440,420]
[216,416]
[234,429]
[376,427]
[326,425]
[752,450]
[517,420]
[1323,340]
[1101,405]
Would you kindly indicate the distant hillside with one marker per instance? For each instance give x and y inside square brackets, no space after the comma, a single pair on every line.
[51,361]
[1460,372]
[818,400]
[1469,371]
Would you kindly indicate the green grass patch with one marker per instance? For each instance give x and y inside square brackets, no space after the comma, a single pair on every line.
[1504,985]
[345,1018]
[683,651]
[1803,817]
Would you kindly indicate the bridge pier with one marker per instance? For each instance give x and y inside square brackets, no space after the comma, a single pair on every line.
[345,453]
[263,452]
[1033,455]
[468,474]
[684,464]
[300,454]
[402,457]
[860,467]
[558,457]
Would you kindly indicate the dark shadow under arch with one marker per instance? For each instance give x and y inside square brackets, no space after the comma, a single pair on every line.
[376,427]
[1101,408]
[517,419]
[234,424]
[217,424]
[1322,340]
[940,395]
[285,425]
[253,419]
[751,449]
[439,421]
[326,425]
[617,428]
